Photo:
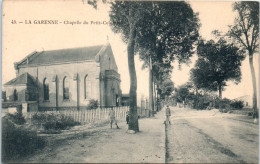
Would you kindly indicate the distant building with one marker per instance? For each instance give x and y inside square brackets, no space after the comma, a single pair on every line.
[66,78]
[247,100]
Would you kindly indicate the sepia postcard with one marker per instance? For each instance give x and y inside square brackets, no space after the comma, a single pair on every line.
[98,81]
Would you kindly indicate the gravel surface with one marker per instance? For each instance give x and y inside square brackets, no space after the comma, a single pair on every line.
[211,137]
[105,145]
[194,137]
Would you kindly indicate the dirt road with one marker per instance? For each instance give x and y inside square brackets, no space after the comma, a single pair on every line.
[211,137]
[103,145]
[194,137]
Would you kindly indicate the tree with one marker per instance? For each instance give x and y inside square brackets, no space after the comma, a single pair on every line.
[246,32]
[125,18]
[182,92]
[217,63]
[167,39]
[166,88]
[133,20]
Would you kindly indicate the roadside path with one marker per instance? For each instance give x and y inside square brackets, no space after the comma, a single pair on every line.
[102,145]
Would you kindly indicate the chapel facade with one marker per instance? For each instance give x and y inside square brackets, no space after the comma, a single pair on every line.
[67,78]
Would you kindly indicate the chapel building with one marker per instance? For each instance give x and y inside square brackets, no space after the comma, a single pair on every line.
[67,78]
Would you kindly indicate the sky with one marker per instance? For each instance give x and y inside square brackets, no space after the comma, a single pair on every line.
[21,39]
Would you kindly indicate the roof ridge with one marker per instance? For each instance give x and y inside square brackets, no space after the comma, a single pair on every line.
[104,47]
[21,79]
[25,58]
[12,80]
[73,48]
[64,55]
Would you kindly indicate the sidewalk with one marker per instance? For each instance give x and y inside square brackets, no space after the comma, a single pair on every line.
[105,145]
[147,146]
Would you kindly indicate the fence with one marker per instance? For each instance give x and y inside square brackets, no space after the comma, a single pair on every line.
[88,116]
[145,111]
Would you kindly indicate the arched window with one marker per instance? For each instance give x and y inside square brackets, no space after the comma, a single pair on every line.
[46,89]
[15,95]
[87,87]
[66,92]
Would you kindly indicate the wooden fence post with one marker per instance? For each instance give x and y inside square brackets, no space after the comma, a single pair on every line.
[98,114]
[84,116]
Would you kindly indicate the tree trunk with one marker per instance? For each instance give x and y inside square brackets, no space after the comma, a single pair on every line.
[154,95]
[133,117]
[157,99]
[151,89]
[220,90]
[254,84]
[196,101]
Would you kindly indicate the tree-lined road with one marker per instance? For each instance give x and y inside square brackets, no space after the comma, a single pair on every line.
[210,136]
[205,136]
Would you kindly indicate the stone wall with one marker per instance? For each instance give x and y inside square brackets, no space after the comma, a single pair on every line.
[112,88]
[76,74]
[20,92]
[31,106]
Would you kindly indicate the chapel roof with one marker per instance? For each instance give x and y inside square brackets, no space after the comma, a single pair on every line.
[62,55]
[23,79]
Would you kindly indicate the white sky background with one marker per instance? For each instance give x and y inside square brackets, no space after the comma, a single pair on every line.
[21,39]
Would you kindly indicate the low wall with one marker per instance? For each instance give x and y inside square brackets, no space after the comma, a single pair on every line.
[24,107]
[29,106]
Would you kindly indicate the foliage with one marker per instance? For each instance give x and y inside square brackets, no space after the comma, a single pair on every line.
[39,118]
[246,28]
[167,39]
[222,103]
[17,141]
[202,102]
[217,63]
[198,99]
[166,88]
[51,121]
[182,93]
[17,118]
[237,104]
[59,124]
[93,104]
[164,38]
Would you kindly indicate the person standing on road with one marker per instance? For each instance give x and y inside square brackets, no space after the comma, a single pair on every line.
[168,114]
[112,116]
